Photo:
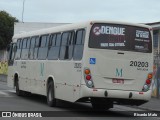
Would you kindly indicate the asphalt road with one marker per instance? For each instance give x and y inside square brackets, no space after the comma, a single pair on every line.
[9,101]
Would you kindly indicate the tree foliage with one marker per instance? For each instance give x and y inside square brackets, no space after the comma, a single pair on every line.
[6,28]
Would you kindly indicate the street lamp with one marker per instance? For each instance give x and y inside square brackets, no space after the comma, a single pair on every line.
[23,10]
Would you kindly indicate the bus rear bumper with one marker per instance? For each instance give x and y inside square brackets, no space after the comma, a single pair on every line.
[115,94]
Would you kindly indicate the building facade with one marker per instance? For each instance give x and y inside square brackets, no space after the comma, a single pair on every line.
[20,27]
[156,67]
[156,37]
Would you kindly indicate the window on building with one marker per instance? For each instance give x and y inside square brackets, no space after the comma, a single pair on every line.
[155,41]
[155,38]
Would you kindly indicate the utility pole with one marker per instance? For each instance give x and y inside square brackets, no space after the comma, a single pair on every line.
[23,10]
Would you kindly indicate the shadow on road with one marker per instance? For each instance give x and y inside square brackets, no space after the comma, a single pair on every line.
[68,109]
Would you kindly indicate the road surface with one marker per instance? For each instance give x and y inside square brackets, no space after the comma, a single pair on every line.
[9,101]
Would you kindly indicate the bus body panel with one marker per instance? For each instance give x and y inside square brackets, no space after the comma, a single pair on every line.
[111,66]
[67,77]
[67,87]
[114,71]
[116,95]
[10,77]
[11,68]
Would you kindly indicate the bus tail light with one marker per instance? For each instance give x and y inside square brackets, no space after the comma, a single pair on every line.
[88,78]
[150,76]
[87,71]
[147,83]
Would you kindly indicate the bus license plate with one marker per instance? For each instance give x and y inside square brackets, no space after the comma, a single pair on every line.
[119,81]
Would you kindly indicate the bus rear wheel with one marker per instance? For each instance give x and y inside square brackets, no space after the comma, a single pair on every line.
[51,100]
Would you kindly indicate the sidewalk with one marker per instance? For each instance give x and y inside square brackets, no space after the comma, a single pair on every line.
[3,78]
[152,105]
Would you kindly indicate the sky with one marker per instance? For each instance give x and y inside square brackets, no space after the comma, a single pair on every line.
[72,11]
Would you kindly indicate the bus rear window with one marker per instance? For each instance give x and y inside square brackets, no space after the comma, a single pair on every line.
[120,37]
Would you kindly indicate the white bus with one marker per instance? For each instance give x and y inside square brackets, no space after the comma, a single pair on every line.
[103,62]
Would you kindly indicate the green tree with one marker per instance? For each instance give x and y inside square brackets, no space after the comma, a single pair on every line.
[6,28]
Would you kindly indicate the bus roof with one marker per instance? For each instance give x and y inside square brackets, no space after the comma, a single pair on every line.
[70,27]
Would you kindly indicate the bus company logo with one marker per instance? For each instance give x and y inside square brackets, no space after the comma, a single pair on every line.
[97,31]
[119,72]
[6,114]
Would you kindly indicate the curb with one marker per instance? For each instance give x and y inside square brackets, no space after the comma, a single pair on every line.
[148,109]
[144,108]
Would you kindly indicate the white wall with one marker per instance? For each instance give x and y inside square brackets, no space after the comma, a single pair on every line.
[20,27]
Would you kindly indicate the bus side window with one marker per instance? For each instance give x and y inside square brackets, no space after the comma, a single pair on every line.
[71,44]
[52,49]
[42,52]
[58,39]
[37,44]
[12,52]
[18,53]
[24,41]
[54,46]
[25,48]
[64,46]
[9,52]
[66,50]
[52,41]
[31,50]
[79,44]
[28,47]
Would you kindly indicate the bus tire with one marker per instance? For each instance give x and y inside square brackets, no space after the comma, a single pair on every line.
[18,91]
[51,100]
